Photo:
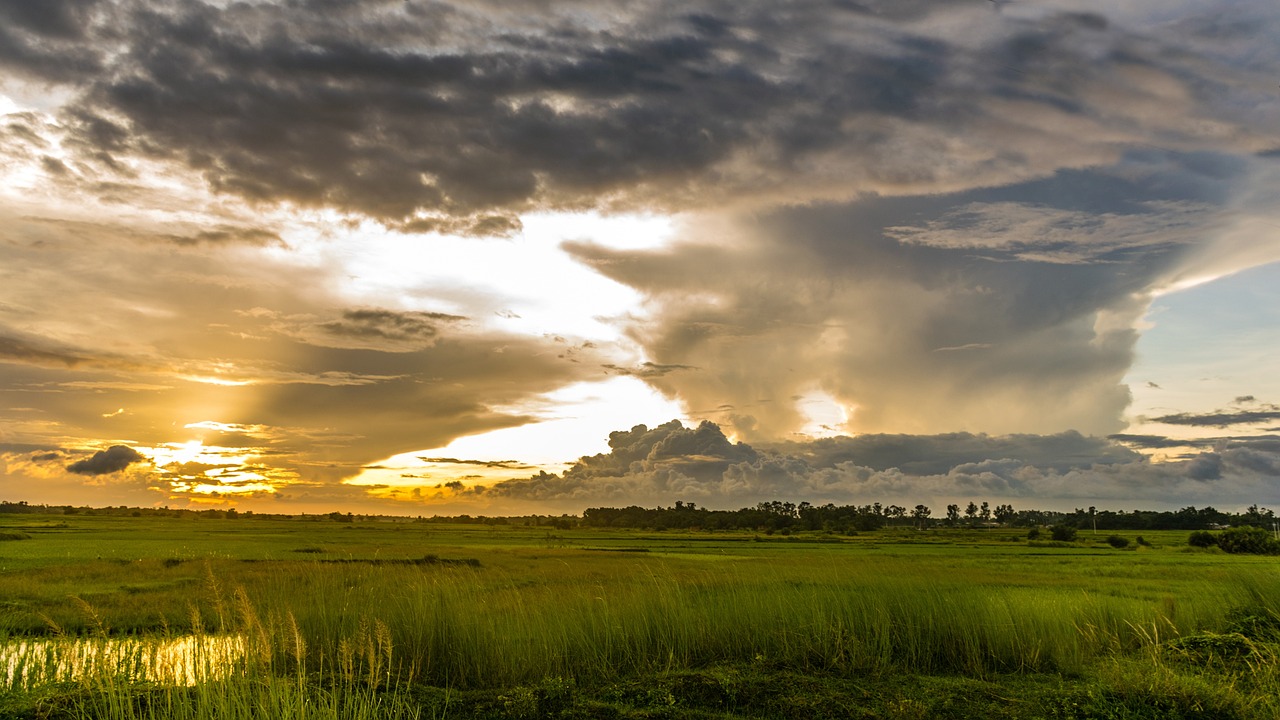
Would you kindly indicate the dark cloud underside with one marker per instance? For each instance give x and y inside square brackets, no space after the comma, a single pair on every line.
[458,116]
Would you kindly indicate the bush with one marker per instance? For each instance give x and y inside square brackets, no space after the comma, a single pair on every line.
[1033,533]
[1202,539]
[1252,540]
[1116,541]
[1063,533]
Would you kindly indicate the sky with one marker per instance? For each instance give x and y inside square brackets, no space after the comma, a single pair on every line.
[520,257]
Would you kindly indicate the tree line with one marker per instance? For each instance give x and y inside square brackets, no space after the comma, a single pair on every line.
[778,515]
[775,516]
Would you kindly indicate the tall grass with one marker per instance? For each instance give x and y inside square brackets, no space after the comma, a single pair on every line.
[466,628]
[315,640]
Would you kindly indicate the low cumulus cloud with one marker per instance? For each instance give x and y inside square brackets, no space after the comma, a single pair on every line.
[670,462]
[104,462]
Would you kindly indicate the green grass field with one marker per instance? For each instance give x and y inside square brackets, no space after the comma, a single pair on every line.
[405,619]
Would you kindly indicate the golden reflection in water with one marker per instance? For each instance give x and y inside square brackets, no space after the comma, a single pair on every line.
[170,661]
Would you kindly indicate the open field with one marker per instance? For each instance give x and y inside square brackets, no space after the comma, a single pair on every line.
[397,619]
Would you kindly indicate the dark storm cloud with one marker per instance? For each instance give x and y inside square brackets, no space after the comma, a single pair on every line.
[112,460]
[646,466]
[50,40]
[456,117]
[64,19]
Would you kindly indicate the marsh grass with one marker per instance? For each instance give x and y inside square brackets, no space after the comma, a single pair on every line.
[469,627]
[530,624]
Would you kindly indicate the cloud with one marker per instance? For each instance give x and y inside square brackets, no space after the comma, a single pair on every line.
[230,234]
[939,454]
[1054,235]
[645,466]
[646,369]
[380,329]
[458,117]
[14,349]
[238,343]
[112,460]
[1222,418]
[501,464]
[47,40]
[942,217]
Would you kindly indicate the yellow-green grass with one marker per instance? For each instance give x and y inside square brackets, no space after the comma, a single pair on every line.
[334,600]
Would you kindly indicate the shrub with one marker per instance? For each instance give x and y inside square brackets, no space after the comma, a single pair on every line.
[1063,533]
[1033,533]
[1116,541]
[1143,541]
[1252,540]
[1202,539]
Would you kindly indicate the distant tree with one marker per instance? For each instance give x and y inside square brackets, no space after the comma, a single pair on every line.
[971,512]
[921,516]
[1005,514]
[985,512]
[953,515]
[1258,517]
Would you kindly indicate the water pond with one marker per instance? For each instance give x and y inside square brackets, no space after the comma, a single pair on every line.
[185,660]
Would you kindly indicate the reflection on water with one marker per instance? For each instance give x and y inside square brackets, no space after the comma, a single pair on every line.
[171,661]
